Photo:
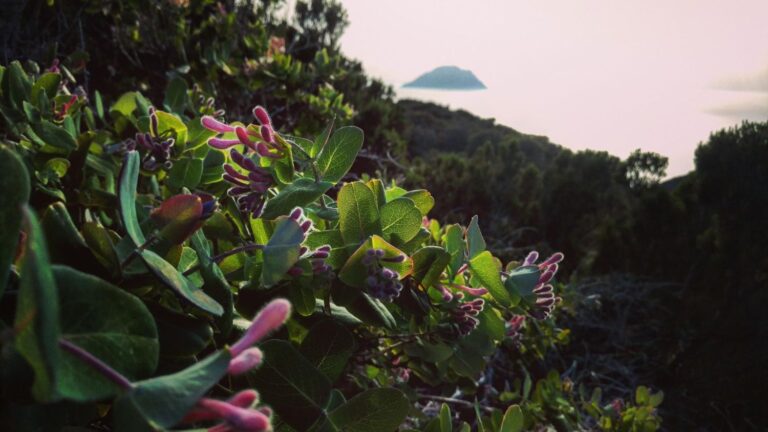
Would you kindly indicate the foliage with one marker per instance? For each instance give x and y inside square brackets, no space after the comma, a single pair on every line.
[170,256]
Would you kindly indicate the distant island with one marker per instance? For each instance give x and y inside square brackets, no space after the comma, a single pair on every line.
[447,78]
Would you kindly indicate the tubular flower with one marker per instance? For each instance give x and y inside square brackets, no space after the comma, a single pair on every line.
[248,189]
[158,151]
[382,283]
[269,319]
[544,299]
[257,138]
[316,257]
[465,314]
[514,326]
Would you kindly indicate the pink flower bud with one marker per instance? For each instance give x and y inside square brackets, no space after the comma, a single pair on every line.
[546,276]
[214,125]
[295,271]
[222,144]
[245,398]
[477,292]
[262,116]
[447,295]
[462,269]
[306,225]
[554,259]
[241,419]
[268,320]
[242,135]
[267,134]
[245,361]
[531,258]
[296,214]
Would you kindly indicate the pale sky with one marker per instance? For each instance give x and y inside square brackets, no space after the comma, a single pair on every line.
[609,75]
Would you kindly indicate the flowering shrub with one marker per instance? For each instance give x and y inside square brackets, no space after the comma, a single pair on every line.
[138,243]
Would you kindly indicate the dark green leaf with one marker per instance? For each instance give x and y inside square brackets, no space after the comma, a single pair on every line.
[129,179]
[282,250]
[475,240]
[54,135]
[328,346]
[374,410]
[291,385]
[176,95]
[513,419]
[428,264]
[119,330]
[160,403]
[297,194]
[37,314]
[14,188]
[185,173]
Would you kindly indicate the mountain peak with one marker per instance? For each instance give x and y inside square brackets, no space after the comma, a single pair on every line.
[447,78]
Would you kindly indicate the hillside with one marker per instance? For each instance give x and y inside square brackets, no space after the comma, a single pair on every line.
[447,78]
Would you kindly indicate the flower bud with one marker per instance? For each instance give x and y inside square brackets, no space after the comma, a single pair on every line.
[245,361]
[262,116]
[222,144]
[531,258]
[214,125]
[271,317]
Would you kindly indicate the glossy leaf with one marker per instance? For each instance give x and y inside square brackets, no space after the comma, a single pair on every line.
[485,269]
[455,246]
[521,282]
[170,126]
[400,220]
[446,423]
[428,264]
[338,155]
[54,136]
[185,173]
[423,199]
[354,272]
[129,180]
[215,283]
[358,213]
[513,419]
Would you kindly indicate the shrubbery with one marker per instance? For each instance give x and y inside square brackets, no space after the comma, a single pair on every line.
[141,242]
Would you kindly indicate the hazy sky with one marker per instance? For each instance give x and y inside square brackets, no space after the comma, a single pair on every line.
[612,74]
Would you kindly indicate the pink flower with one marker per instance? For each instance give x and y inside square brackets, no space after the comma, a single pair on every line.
[214,125]
[269,319]
[249,359]
[262,116]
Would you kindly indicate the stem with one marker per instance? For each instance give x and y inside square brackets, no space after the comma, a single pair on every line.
[221,256]
[96,363]
[138,250]
[461,402]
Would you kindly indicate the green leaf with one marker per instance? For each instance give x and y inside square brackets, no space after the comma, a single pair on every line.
[370,310]
[119,330]
[400,220]
[374,410]
[176,95]
[180,284]
[358,213]
[48,83]
[291,385]
[129,180]
[428,264]
[99,104]
[328,346]
[169,125]
[282,250]
[215,283]
[297,194]
[354,272]
[19,85]
[322,140]
[14,188]
[378,191]
[475,240]
[423,200]
[54,136]
[337,157]
[486,270]
[180,335]
[185,173]
[521,282]
[513,419]
[160,403]
[446,424]
[455,246]
[125,105]
[37,314]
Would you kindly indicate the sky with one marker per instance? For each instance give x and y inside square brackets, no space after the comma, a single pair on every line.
[612,75]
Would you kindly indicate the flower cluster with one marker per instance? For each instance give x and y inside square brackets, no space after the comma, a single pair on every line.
[466,312]
[382,283]
[247,189]
[515,327]
[545,297]
[158,151]
[239,413]
[317,256]
[260,139]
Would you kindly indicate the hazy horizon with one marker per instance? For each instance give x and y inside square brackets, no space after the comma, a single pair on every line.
[659,76]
